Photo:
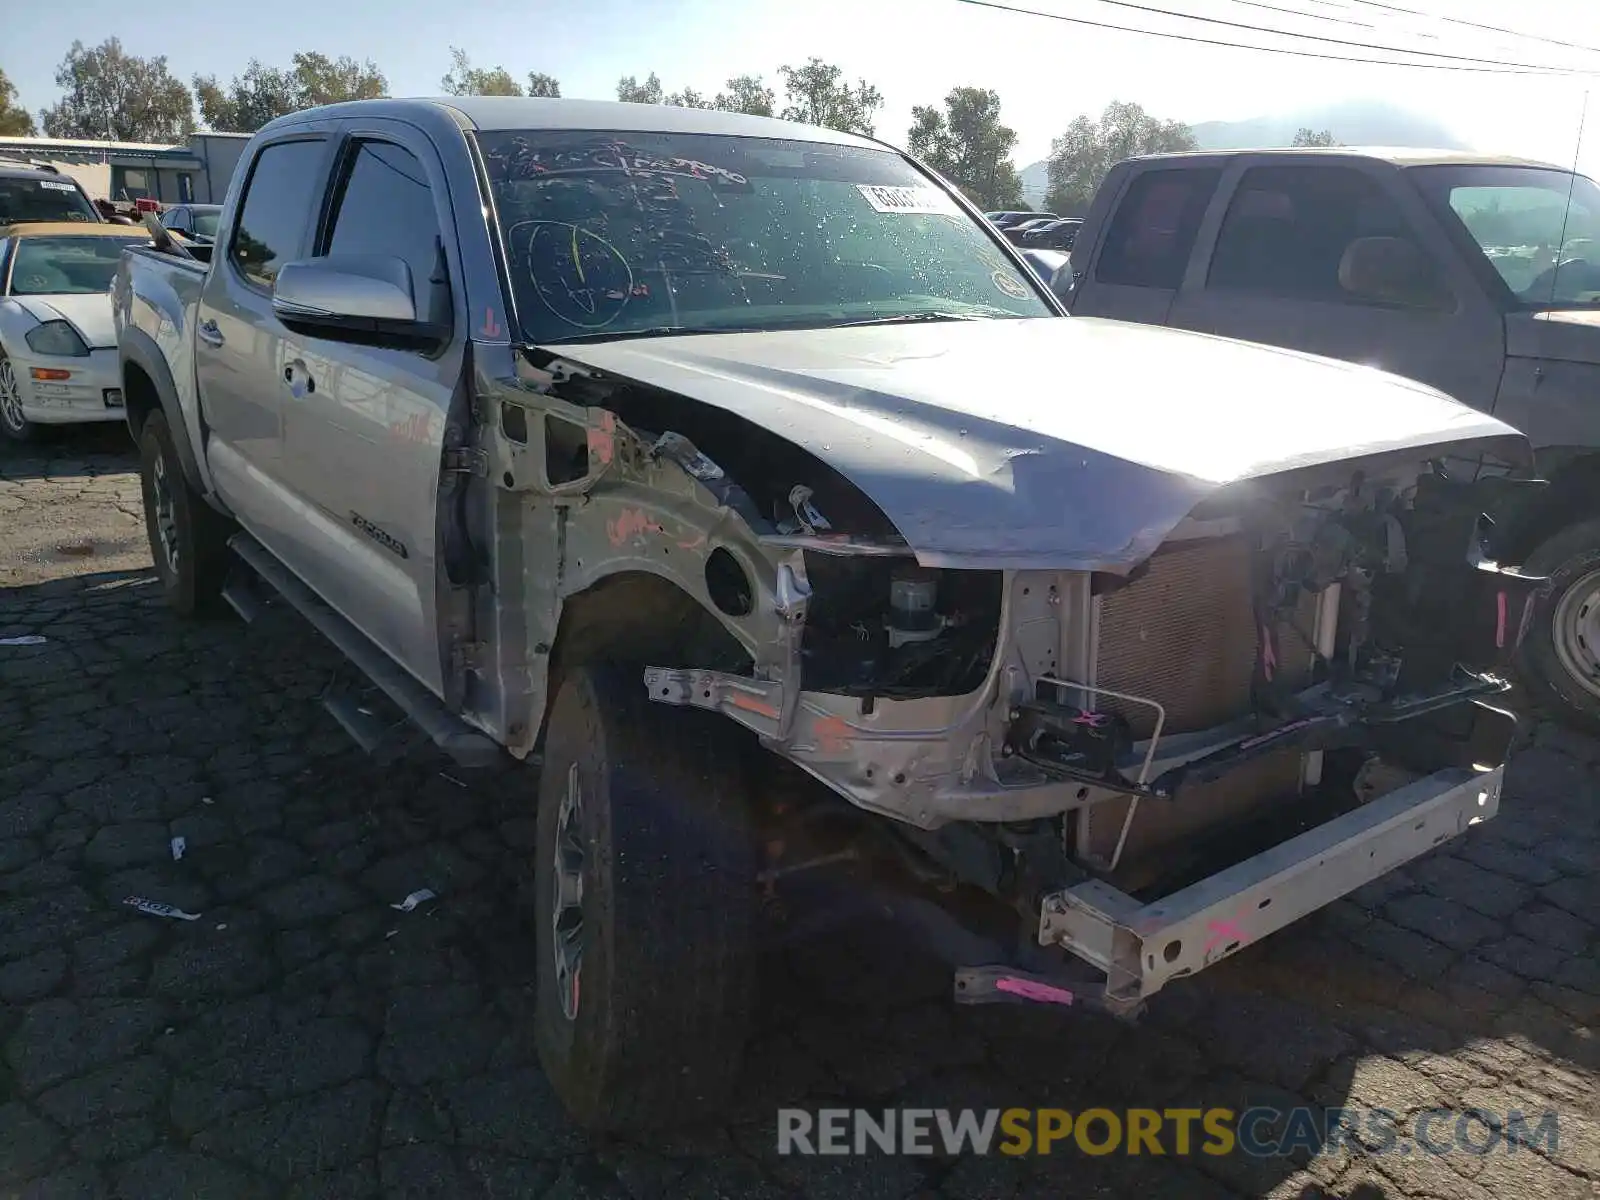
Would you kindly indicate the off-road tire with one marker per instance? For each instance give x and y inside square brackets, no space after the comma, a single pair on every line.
[194,586]
[1567,558]
[666,984]
[14,428]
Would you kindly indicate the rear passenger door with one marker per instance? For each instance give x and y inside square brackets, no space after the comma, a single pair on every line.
[1270,271]
[239,344]
[1136,269]
[364,421]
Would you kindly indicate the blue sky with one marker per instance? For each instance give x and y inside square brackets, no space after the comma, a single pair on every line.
[914,50]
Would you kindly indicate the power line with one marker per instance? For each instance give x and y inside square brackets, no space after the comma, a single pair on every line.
[1300,12]
[1194,39]
[1532,37]
[1333,41]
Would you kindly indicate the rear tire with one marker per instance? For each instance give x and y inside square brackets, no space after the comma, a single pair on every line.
[13,425]
[1559,660]
[188,538]
[646,862]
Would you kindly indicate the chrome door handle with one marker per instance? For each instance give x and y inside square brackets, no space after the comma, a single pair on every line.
[299,379]
[210,333]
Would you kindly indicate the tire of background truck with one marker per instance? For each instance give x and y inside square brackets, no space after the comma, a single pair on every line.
[1559,660]
[13,424]
[188,538]
[646,868]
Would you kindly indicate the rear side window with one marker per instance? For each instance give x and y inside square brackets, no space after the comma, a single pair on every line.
[1153,231]
[277,205]
[384,206]
[1288,228]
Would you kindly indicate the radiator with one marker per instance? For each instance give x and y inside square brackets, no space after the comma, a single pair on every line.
[1184,634]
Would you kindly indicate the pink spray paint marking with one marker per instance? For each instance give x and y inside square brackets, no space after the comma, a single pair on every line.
[1028,989]
[1226,931]
[1500,621]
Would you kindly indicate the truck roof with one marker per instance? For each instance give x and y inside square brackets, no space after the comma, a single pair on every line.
[523,112]
[1400,156]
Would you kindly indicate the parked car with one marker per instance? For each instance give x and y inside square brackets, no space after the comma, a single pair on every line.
[58,358]
[1439,266]
[1052,235]
[39,191]
[1004,220]
[744,471]
[1015,233]
[195,221]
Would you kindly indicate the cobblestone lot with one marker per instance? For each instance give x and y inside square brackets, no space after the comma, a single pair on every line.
[304,1039]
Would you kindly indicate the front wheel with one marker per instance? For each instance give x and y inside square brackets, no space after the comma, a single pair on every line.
[1559,661]
[645,900]
[13,424]
[188,538]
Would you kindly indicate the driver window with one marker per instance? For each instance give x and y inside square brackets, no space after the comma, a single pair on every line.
[1288,230]
[383,206]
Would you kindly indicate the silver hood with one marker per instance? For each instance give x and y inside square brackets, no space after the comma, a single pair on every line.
[89,313]
[1069,443]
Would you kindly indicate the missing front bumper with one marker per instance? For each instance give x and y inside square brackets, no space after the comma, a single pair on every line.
[1142,947]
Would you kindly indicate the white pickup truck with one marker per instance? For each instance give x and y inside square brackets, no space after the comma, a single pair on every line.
[743,476]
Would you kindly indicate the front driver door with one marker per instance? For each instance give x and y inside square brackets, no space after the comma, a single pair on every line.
[364,421]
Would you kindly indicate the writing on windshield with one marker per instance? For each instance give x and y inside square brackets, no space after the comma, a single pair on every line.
[627,232]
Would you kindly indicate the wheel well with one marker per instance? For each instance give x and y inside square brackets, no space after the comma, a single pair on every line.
[633,616]
[139,395]
[1573,496]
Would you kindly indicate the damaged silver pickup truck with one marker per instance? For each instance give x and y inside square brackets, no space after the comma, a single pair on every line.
[741,475]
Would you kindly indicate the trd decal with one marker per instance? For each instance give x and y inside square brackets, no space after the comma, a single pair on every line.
[387,541]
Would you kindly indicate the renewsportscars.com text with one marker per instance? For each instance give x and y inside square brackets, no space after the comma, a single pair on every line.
[1259,1132]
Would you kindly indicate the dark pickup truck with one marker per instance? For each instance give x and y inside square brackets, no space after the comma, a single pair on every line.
[1439,266]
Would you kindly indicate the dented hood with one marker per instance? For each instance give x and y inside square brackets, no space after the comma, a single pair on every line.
[1064,443]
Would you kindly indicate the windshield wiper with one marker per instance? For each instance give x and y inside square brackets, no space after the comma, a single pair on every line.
[905,318]
[619,335]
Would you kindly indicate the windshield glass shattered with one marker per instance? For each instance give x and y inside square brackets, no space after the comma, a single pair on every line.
[618,234]
[1539,228]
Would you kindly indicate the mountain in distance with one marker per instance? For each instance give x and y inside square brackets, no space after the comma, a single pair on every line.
[1352,122]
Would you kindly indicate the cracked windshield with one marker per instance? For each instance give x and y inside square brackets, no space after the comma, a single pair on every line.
[616,234]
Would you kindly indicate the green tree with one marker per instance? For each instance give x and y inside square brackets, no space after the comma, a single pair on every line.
[15,121]
[631,91]
[254,97]
[322,80]
[540,84]
[689,98]
[464,79]
[966,143]
[108,93]
[1311,137]
[818,95]
[1080,157]
[746,94]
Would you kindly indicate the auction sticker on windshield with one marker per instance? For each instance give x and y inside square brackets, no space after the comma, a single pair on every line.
[906,199]
[56,187]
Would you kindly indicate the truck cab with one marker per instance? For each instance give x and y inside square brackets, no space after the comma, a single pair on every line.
[1479,276]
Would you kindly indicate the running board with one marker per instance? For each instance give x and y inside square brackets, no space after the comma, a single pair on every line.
[450,733]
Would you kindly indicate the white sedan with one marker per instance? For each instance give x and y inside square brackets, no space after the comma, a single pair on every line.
[58,351]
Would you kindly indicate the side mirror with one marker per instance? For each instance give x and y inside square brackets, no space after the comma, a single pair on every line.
[1391,270]
[352,294]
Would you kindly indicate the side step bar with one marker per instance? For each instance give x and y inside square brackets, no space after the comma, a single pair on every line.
[450,733]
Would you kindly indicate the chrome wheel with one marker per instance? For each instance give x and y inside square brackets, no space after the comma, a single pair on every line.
[11,398]
[1575,632]
[566,918]
[165,514]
